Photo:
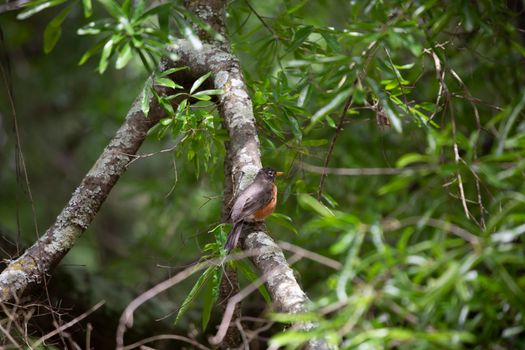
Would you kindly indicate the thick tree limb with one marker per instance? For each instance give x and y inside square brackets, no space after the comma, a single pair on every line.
[287,295]
[243,154]
[32,267]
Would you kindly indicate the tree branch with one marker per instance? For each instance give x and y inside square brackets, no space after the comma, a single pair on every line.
[32,267]
[243,155]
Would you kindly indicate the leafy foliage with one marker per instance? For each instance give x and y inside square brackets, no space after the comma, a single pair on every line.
[422,102]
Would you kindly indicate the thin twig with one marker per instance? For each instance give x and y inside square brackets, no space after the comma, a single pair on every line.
[11,339]
[126,319]
[369,52]
[233,301]
[261,19]
[392,225]
[457,159]
[89,329]
[20,163]
[348,103]
[166,337]
[441,77]
[478,132]
[364,171]
[67,325]
[334,264]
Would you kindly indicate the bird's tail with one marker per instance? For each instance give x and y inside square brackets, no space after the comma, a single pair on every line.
[234,235]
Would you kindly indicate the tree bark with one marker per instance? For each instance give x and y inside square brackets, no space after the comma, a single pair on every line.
[241,165]
[37,261]
[243,156]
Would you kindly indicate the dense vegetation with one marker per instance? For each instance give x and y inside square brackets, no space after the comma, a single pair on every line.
[414,107]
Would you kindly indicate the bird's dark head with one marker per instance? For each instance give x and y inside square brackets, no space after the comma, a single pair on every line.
[269,174]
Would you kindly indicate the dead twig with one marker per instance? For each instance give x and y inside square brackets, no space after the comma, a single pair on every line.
[363,171]
[67,325]
[369,52]
[166,337]
[299,251]
[126,319]
[233,301]
[392,225]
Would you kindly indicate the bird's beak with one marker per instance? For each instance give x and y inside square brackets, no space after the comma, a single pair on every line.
[279,173]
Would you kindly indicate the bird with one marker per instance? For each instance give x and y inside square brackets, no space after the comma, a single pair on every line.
[253,204]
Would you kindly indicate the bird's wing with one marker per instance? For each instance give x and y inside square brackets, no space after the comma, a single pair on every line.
[253,198]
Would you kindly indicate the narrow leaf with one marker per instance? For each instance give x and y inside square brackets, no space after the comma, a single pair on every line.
[247,271]
[336,101]
[138,10]
[209,92]
[210,295]
[37,7]
[113,8]
[299,37]
[146,96]
[88,8]
[310,202]
[94,49]
[167,82]
[124,56]
[195,291]
[106,53]
[54,29]
[171,71]
[199,82]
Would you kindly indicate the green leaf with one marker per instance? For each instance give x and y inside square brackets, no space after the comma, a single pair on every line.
[138,10]
[106,53]
[209,297]
[247,272]
[36,7]
[310,202]
[96,27]
[126,7]
[284,221]
[202,97]
[181,108]
[332,42]
[162,8]
[124,56]
[54,29]
[330,106]
[209,92]
[295,128]
[199,82]
[94,49]
[392,116]
[171,71]
[167,82]
[411,158]
[315,143]
[299,37]
[166,105]
[145,102]
[195,291]
[113,8]
[88,8]
[166,121]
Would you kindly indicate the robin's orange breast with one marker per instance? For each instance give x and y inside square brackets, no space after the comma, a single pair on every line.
[262,213]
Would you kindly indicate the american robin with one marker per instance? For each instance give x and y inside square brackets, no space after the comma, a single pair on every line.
[254,203]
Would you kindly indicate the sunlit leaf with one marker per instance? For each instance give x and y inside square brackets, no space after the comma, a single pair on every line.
[199,82]
[87,6]
[37,6]
[124,56]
